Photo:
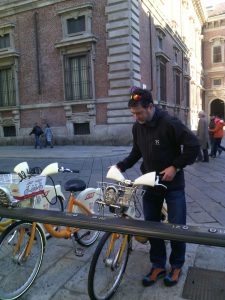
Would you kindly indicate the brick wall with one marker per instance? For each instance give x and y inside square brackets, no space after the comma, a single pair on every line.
[51,65]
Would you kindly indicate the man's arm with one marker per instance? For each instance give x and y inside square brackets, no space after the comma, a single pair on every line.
[32,131]
[132,158]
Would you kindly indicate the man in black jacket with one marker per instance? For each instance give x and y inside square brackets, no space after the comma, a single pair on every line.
[37,131]
[166,147]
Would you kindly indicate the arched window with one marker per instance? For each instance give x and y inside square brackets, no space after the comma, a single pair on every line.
[217,108]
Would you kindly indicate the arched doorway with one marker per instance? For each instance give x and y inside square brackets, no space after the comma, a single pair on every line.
[217,108]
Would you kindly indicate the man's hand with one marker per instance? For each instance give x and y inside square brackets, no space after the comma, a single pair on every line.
[169,173]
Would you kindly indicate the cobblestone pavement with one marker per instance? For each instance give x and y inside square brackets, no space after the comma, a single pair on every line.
[64,276]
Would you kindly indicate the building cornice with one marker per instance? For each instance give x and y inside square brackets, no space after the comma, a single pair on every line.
[8,53]
[12,7]
[81,39]
[84,6]
[216,18]
[200,10]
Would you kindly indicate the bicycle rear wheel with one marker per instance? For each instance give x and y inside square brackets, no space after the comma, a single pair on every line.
[85,237]
[18,272]
[106,269]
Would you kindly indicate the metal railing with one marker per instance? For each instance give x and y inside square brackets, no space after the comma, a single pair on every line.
[212,236]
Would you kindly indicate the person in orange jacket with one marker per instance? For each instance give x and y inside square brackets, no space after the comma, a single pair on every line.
[218,135]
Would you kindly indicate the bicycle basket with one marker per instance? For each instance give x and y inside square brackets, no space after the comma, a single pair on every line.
[28,188]
[7,179]
[117,195]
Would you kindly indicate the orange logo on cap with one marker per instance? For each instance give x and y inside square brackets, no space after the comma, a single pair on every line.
[136,97]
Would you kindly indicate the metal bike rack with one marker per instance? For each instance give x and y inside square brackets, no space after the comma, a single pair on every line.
[191,234]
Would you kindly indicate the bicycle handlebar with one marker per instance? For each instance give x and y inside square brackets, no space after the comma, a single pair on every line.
[66,170]
[157,181]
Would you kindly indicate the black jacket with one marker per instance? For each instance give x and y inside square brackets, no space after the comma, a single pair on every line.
[162,142]
[37,131]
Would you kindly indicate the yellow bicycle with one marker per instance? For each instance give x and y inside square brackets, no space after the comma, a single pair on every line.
[52,198]
[22,244]
[112,253]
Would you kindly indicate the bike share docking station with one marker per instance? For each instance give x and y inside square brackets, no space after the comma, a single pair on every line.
[210,236]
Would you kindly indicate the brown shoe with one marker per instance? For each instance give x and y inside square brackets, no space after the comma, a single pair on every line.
[173,277]
[153,276]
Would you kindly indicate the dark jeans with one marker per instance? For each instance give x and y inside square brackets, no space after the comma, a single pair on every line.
[176,204]
[37,141]
[205,156]
[217,146]
[212,142]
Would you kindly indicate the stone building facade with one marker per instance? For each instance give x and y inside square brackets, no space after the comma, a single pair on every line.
[71,63]
[214,61]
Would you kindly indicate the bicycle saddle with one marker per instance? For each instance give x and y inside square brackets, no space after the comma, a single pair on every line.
[75,185]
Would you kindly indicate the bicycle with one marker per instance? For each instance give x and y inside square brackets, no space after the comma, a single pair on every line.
[22,244]
[112,252]
[52,198]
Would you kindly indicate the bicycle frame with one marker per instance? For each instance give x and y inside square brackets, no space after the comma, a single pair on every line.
[39,202]
[68,231]
[114,237]
[65,233]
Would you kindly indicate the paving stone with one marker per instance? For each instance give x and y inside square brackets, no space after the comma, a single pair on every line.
[212,258]
[202,217]
[53,279]
[78,283]
[64,294]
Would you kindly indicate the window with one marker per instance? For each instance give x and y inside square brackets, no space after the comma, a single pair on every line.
[162,82]
[7,88]
[217,82]
[162,59]
[160,42]
[186,66]
[76,25]
[175,56]
[76,20]
[217,54]
[160,34]
[177,87]
[4,41]
[77,78]
[9,131]
[187,92]
[176,52]
[81,128]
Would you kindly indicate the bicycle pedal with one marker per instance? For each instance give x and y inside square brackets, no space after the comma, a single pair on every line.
[79,252]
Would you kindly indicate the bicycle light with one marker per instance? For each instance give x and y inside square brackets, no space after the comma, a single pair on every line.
[111,195]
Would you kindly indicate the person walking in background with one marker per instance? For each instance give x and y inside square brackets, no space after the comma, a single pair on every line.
[212,125]
[48,136]
[203,136]
[218,135]
[37,131]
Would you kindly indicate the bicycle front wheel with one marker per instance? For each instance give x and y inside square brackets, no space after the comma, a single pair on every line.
[108,265]
[18,272]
